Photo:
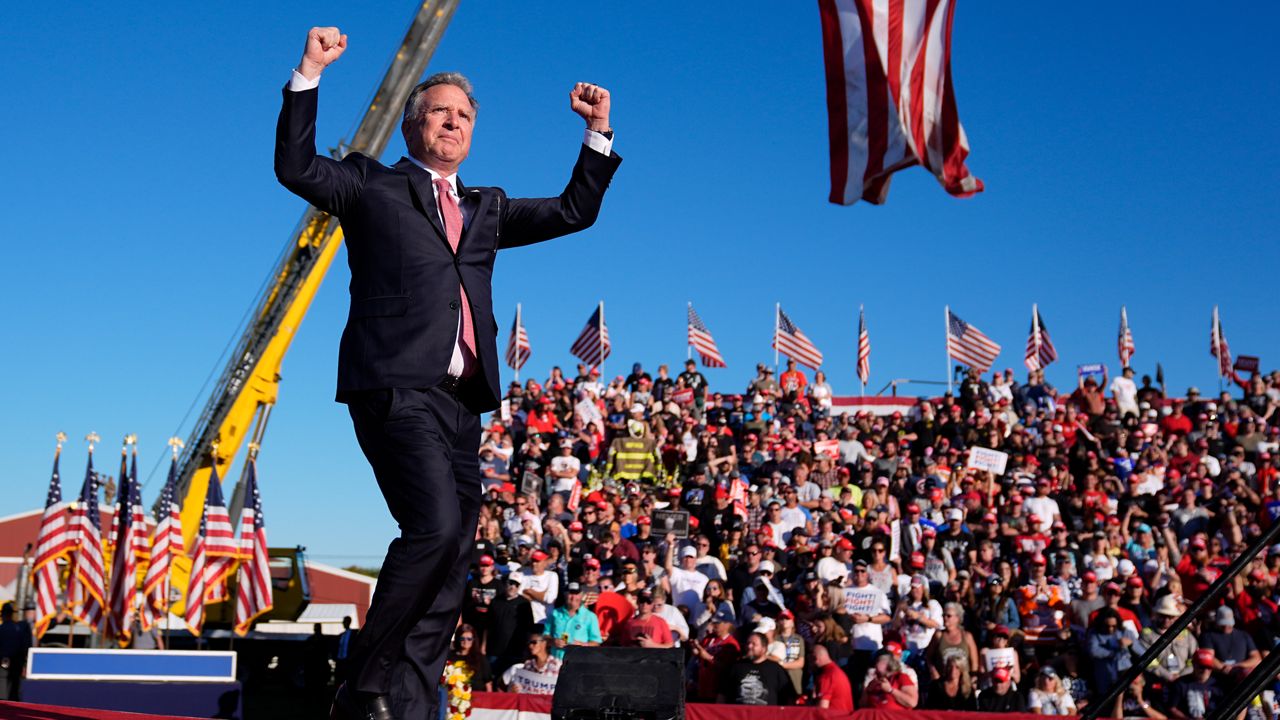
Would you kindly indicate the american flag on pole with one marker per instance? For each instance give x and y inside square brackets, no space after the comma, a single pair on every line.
[166,544]
[1040,350]
[87,589]
[1218,346]
[1125,341]
[790,341]
[890,100]
[518,347]
[253,581]
[53,544]
[864,348]
[130,548]
[969,345]
[701,340]
[213,555]
[592,345]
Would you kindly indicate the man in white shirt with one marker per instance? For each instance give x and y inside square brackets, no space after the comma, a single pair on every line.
[1043,506]
[1125,392]
[563,472]
[687,583]
[540,586]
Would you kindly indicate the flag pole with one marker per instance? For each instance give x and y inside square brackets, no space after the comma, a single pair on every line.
[687,345]
[1035,330]
[1217,346]
[516,339]
[946,326]
[777,312]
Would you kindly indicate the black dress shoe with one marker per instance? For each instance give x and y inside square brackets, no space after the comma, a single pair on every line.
[358,706]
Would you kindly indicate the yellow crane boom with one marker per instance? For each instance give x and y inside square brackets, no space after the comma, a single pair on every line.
[249,384]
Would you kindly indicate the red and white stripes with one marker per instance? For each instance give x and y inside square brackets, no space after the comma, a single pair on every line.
[890,100]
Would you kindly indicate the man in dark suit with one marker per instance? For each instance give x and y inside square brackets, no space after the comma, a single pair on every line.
[418,361]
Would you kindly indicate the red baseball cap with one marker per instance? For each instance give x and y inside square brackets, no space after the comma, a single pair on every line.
[1000,674]
[644,520]
[592,563]
[486,561]
[575,526]
[538,556]
[1204,658]
[917,559]
[1198,542]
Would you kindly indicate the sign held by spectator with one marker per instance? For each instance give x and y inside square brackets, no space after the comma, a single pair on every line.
[530,484]
[993,461]
[683,396]
[1091,369]
[830,448]
[671,521]
[1247,363]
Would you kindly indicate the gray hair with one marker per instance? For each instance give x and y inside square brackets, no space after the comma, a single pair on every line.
[455,79]
[955,609]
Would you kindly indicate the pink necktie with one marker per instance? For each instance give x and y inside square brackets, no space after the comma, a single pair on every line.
[451,214]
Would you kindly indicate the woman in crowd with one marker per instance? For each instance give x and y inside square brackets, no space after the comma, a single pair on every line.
[997,608]
[1049,697]
[916,619]
[889,687]
[952,641]
[715,599]
[466,670]
[950,691]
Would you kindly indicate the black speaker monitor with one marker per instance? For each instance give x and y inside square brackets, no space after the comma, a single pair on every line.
[598,683]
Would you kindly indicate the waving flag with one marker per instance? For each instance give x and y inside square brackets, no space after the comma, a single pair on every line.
[701,340]
[890,100]
[166,544]
[87,588]
[1040,350]
[1125,340]
[130,548]
[518,347]
[592,345]
[790,341]
[1218,346]
[253,581]
[864,349]
[213,555]
[969,345]
[54,543]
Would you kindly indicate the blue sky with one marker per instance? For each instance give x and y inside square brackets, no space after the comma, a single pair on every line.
[1128,160]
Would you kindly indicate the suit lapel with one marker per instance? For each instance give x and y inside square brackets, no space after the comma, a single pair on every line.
[479,202]
[425,196]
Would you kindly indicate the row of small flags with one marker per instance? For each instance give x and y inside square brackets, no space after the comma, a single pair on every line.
[71,539]
[965,343]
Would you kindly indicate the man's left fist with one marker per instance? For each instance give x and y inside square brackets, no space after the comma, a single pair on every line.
[592,103]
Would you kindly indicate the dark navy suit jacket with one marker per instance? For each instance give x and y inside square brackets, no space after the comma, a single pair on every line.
[403,320]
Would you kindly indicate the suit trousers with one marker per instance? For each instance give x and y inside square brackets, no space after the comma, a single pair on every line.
[423,446]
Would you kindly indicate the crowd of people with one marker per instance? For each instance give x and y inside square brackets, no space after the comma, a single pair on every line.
[854,560]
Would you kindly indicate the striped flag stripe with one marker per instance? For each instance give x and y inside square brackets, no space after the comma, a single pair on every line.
[969,345]
[701,340]
[792,342]
[890,100]
[864,349]
[1218,346]
[53,543]
[253,580]
[1125,341]
[518,347]
[592,344]
[1040,349]
[87,588]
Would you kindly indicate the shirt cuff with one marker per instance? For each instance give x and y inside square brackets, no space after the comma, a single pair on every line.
[592,139]
[298,82]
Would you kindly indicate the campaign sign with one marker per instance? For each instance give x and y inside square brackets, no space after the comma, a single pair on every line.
[1091,369]
[1247,363]
[530,484]
[671,521]
[992,461]
[830,448]
[682,397]
[532,682]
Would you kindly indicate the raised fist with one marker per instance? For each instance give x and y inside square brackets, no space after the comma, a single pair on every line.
[592,103]
[324,45]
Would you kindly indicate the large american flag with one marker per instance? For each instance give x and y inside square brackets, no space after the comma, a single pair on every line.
[592,345]
[864,348]
[213,555]
[1040,350]
[1125,340]
[1218,346]
[166,544]
[790,341]
[87,589]
[130,549]
[701,340]
[253,580]
[54,543]
[518,347]
[890,100]
[969,345]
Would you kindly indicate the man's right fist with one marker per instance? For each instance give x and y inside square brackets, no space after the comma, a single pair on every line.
[324,45]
